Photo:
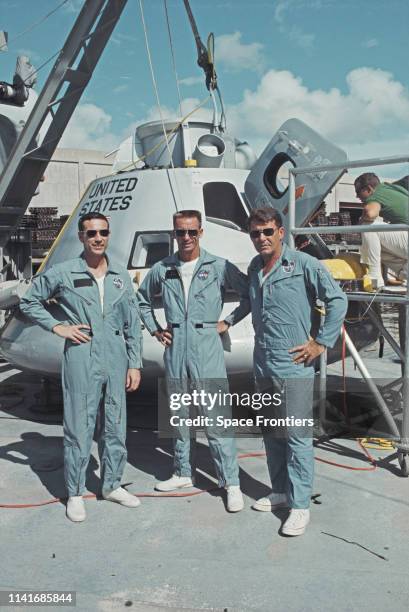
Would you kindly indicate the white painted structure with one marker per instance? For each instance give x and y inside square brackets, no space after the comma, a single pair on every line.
[68,175]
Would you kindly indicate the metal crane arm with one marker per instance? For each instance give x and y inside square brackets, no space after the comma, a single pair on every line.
[28,162]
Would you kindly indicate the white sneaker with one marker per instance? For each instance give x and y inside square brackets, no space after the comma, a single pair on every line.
[274,500]
[121,496]
[235,501]
[297,522]
[175,482]
[75,510]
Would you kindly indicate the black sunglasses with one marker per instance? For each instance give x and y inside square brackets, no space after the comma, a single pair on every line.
[92,233]
[269,231]
[180,233]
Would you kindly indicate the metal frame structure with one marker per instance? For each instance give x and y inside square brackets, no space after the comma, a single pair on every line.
[28,160]
[402,438]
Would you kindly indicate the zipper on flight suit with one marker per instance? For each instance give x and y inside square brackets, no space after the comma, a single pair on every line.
[184,303]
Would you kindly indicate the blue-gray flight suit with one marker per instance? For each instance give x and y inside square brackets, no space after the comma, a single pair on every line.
[282,310]
[94,372]
[195,359]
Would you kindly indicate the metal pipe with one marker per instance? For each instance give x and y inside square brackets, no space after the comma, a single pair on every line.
[405,408]
[364,296]
[398,159]
[347,229]
[372,387]
[291,209]
[323,388]
[377,321]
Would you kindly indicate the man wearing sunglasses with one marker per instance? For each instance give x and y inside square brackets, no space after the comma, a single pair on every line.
[192,283]
[102,357]
[284,286]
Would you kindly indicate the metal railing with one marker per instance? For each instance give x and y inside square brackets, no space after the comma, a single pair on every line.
[402,444]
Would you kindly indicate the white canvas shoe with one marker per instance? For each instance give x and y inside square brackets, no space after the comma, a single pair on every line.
[235,501]
[122,497]
[297,522]
[274,500]
[174,483]
[75,510]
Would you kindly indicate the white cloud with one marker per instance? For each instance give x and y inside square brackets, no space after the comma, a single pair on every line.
[32,55]
[280,9]
[294,32]
[237,56]
[188,81]
[120,88]
[374,110]
[89,128]
[370,43]
[300,38]
[188,105]
[73,6]
[370,120]
[118,38]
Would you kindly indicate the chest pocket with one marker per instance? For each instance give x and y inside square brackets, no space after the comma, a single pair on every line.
[285,302]
[287,287]
[119,298]
[172,287]
[203,283]
[70,294]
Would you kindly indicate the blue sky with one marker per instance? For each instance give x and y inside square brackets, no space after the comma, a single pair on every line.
[340,65]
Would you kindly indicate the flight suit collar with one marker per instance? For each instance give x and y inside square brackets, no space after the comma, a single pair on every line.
[80,265]
[204,258]
[280,267]
[173,261]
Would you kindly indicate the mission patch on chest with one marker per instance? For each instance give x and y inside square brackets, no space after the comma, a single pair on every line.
[288,266]
[203,274]
[118,282]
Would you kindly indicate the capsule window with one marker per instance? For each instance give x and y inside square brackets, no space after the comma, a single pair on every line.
[223,205]
[150,247]
[276,175]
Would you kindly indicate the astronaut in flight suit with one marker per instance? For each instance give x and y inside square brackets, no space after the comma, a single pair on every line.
[102,357]
[284,286]
[192,283]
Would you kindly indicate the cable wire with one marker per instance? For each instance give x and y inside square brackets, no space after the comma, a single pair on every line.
[161,142]
[155,86]
[56,500]
[33,25]
[173,55]
[37,70]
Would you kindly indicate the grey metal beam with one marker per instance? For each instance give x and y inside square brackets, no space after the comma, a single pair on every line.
[347,229]
[28,162]
[364,296]
[359,163]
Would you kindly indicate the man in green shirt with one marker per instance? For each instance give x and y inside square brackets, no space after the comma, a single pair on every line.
[383,202]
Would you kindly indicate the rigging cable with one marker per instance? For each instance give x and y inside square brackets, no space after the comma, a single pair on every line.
[33,25]
[172,131]
[158,103]
[173,55]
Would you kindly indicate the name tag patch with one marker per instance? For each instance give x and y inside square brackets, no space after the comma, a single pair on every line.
[118,282]
[172,273]
[83,282]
